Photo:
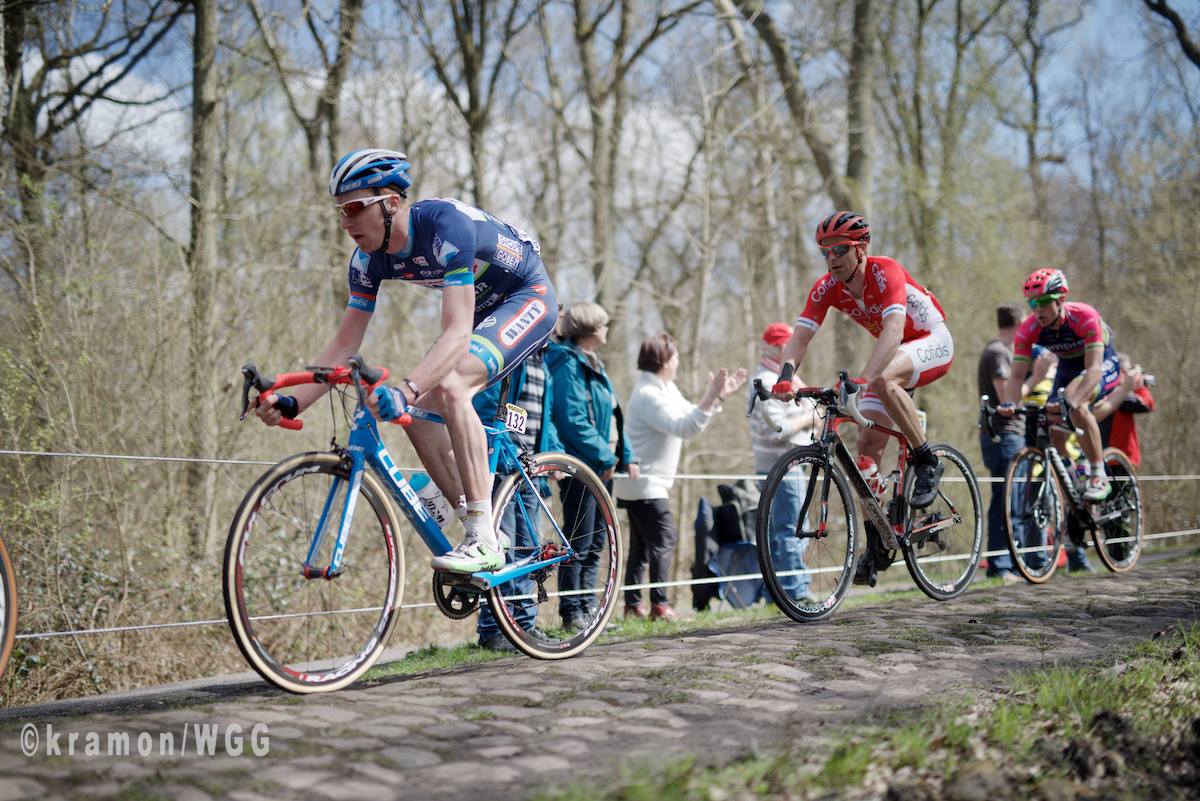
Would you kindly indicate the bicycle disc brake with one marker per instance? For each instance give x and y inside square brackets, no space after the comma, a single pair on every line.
[455,601]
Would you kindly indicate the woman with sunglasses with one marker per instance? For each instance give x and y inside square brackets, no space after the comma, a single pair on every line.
[1088,368]
[913,348]
[498,306]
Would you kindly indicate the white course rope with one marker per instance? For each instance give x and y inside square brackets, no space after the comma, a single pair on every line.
[650,585]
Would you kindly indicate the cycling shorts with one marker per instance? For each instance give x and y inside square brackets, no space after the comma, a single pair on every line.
[507,332]
[931,357]
[1070,369]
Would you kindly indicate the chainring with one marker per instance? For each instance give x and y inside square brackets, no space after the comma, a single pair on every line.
[453,601]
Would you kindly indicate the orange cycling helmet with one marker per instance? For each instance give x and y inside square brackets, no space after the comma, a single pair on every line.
[843,227]
[1046,281]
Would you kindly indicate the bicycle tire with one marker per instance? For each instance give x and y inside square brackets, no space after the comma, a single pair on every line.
[1034,503]
[509,601]
[8,607]
[826,561]
[947,572]
[1119,541]
[276,615]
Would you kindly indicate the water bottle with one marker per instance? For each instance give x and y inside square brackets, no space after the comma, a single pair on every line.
[870,472]
[434,501]
[922,420]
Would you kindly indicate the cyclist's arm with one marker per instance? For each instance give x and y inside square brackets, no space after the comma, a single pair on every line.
[885,347]
[1012,389]
[345,343]
[797,346]
[458,317]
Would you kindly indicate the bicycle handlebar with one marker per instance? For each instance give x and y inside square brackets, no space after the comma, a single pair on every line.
[844,397]
[355,372]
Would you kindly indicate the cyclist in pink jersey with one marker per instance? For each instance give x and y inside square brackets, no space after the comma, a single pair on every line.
[913,346]
[1088,368]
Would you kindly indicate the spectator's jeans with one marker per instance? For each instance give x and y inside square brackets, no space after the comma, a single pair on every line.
[787,550]
[583,525]
[997,456]
[652,538]
[517,527]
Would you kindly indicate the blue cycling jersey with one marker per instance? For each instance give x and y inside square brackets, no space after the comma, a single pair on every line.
[451,244]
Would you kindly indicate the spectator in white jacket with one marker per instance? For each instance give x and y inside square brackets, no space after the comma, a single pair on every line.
[657,420]
[775,428]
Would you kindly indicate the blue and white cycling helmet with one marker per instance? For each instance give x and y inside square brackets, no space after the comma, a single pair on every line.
[370,168]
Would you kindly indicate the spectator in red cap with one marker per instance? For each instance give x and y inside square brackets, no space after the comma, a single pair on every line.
[775,427]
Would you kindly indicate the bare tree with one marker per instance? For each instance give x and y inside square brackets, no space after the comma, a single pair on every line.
[1164,10]
[1032,44]
[202,271]
[332,37]
[610,39]
[478,62]
[83,59]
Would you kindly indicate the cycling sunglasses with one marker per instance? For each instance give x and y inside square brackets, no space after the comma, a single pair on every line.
[353,208]
[1043,301]
[836,250]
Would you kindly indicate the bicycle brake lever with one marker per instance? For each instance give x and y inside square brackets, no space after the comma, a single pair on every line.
[249,374]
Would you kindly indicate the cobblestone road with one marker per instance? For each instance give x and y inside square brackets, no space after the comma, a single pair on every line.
[537,724]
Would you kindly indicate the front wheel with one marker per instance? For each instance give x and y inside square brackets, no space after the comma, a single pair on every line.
[559,610]
[1035,515]
[312,634]
[806,534]
[8,607]
[1118,532]
[944,539]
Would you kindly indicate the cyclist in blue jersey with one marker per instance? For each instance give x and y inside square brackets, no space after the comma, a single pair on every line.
[498,306]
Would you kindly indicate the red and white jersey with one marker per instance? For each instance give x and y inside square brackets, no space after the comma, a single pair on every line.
[888,289]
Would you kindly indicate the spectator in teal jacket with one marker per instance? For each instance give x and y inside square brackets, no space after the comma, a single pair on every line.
[587,417]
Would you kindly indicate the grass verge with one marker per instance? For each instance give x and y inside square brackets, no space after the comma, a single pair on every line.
[1130,730]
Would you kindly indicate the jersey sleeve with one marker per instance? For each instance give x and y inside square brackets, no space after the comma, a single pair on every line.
[891,281]
[363,285]
[454,244]
[1025,339]
[817,304]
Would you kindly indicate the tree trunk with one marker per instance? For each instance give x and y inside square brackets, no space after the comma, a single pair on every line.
[202,270]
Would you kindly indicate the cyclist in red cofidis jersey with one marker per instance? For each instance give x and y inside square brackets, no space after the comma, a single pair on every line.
[1088,368]
[913,345]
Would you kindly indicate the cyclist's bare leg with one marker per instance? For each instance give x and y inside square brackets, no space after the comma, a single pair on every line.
[432,444]
[1082,417]
[452,400]
[890,387]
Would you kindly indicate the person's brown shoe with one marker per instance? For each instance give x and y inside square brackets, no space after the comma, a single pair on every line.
[635,611]
[663,612]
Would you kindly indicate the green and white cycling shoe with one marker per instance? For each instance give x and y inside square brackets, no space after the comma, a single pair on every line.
[471,556]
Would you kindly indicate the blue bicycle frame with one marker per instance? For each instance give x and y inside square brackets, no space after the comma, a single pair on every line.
[366,450]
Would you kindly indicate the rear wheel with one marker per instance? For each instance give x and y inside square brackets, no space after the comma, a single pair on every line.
[806,546]
[944,539]
[312,634]
[560,610]
[1118,530]
[1035,515]
[8,607]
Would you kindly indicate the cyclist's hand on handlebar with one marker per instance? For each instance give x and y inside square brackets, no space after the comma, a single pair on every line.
[387,403]
[272,408]
[1006,409]
[783,391]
